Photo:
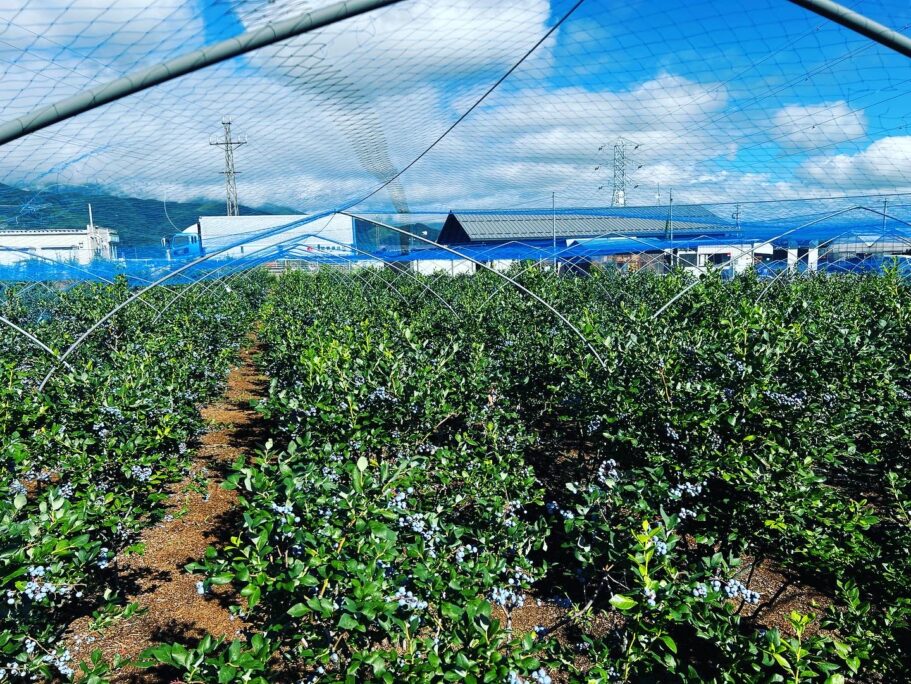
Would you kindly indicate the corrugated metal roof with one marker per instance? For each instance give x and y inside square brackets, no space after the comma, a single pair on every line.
[687,212]
[518,226]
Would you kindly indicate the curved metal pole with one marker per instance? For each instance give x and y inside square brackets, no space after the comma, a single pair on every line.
[408,273]
[291,248]
[831,248]
[554,256]
[787,270]
[35,340]
[438,276]
[354,272]
[768,241]
[101,321]
[321,259]
[366,281]
[185,64]
[524,289]
[180,293]
[676,297]
[692,285]
[239,264]
[743,251]
[568,247]
[279,246]
[859,24]
[82,338]
[240,269]
[376,258]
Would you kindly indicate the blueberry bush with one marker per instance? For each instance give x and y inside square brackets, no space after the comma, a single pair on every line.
[87,461]
[473,496]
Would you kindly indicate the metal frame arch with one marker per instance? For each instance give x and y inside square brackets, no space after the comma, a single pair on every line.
[689,287]
[538,299]
[790,273]
[873,211]
[554,254]
[294,246]
[35,340]
[365,281]
[163,279]
[373,256]
[284,246]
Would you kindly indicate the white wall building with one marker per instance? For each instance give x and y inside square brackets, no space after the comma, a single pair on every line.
[454,266]
[738,257]
[61,244]
[261,237]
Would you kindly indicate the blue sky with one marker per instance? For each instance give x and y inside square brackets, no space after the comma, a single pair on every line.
[727,101]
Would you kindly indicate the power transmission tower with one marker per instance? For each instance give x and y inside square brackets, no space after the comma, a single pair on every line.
[230,172]
[618,196]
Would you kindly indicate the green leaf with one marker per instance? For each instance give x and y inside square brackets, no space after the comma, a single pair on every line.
[670,643]
[362,463]
[451,611]
[297,610]
[621,602]
[347,621]
[226,674]
[781,661]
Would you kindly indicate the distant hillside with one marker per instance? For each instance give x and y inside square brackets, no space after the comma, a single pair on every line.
[137,221]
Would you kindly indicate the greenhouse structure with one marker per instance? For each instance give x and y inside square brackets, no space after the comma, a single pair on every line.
[523,341]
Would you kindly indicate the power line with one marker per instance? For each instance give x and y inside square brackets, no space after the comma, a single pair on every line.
[477,103]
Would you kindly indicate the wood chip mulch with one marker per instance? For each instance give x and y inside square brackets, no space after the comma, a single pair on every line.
[174,609]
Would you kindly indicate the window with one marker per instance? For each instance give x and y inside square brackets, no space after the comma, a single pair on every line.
[687,259]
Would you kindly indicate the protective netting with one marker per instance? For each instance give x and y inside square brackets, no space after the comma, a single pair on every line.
[764,117]
[687,228]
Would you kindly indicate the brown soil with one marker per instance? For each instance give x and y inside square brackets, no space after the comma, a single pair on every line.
[781,595]
[173,609]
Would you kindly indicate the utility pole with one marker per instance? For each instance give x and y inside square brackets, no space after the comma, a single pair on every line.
[553,204]
[670,223]
[230,182]
[90,230]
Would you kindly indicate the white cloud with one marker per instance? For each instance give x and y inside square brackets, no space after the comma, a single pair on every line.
[330,114]
[885,163]
[405,46]
[107,31]
[817,125]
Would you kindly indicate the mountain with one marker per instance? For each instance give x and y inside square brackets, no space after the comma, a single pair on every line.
[138,222]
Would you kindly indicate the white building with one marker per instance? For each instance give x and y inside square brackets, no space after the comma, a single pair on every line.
[454,266]
[77,245]
[737,256]
[265,236]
